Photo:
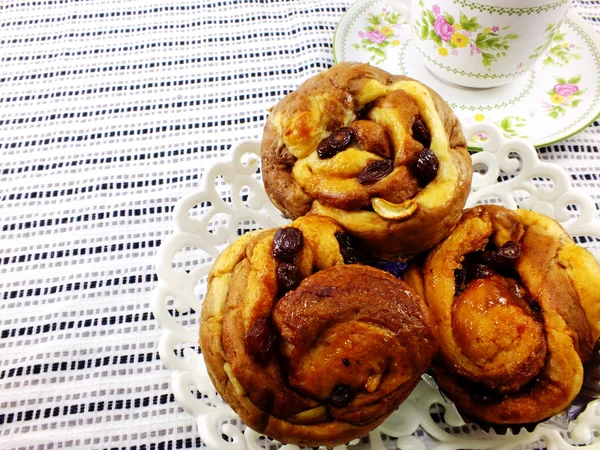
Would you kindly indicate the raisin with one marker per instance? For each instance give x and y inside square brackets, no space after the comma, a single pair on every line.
[460,280]
[503,256]
[427,166]
[479,270]
[287,243]
[288,277]
[535,306]
[261,340]
[375,171]
[481,394]
[346,248]
[396,268]
[336,142]
[486,397]
[341,396]
[346,362]
[421,132]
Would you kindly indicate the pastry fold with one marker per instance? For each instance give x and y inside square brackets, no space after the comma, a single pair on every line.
[517,303]
[384,155]
[317,358]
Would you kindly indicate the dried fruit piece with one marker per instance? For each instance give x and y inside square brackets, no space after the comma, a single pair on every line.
[340,396]
[288,277]
[261,340]
[479,270]
[482,395]
[287,243]
[420,132]
[502,257]
[460,280]
[534,305]
[394,267]
[427,166]
[336,142]
[375,171]
[346,248]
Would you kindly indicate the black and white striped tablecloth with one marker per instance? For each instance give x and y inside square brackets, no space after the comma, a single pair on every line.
[109,113]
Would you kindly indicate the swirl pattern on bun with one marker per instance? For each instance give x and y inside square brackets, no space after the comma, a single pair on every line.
[517,303]
[384,155]
[305,348]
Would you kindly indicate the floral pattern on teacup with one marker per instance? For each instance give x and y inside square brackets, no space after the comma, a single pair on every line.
[451,36]
[380,34]
[565,94]
[558,52]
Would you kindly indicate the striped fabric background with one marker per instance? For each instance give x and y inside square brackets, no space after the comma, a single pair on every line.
[110,111]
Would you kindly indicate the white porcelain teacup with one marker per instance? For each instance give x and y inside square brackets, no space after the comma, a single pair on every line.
[483,43]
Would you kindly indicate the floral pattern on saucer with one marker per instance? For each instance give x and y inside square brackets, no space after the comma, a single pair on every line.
[554,100]
[510,126]
[558,52]
[565,94]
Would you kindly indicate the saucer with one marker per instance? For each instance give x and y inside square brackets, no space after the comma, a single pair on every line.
[555,99]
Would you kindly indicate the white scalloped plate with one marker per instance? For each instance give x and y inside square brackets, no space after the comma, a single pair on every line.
[232,201]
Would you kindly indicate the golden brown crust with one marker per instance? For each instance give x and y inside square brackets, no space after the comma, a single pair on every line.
[352,340]
[513,339]
[395,215]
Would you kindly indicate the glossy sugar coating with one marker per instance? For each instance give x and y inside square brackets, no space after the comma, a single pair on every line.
[513,340]
[325,362]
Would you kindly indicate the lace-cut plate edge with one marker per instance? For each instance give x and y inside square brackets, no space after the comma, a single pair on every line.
[507,172]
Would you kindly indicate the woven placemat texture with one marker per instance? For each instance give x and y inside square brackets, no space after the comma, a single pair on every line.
[109,113]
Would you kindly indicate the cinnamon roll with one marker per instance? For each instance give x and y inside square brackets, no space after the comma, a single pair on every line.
[517,303]
[384,155]
[305,346]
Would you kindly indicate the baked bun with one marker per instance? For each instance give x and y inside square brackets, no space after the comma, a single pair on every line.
[518,308]
[383,155]
[304,348]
